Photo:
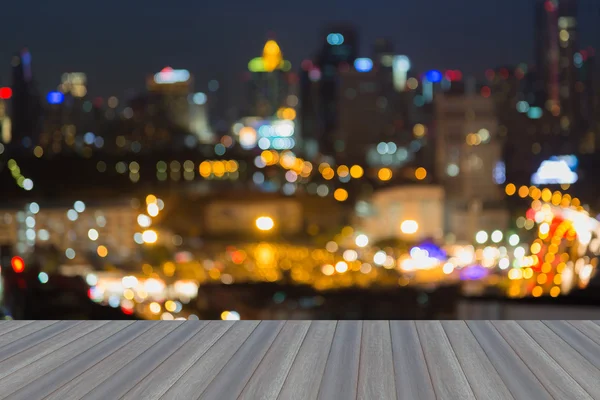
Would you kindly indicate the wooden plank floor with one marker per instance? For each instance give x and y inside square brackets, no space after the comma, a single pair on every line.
[298,360]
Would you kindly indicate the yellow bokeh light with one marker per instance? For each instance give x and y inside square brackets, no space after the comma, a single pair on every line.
[510,189]
[535,248]
[289,114]
[356,171]
[218,168]
[102,251]
[151,199]
[170,306]
[555,291]
[205,169]
[542,278]
[419,130]
[537,291]
[272,57]
[409,226]
[384,174]
[328,269]
[265,223]
[343,171]
[420,173]
[154,307]
[523,192]
[328,173]
[38,151]
[546,195]
[149,236]
[340,194]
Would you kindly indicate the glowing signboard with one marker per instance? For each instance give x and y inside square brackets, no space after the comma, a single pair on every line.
[558,170]
[169,76]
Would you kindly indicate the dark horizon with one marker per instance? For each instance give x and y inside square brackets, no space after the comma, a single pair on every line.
[117,45]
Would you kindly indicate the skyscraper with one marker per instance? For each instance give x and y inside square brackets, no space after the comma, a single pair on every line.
[320,84]
[556,46]
[26,103]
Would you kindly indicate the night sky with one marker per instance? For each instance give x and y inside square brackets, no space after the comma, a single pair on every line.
[118,42]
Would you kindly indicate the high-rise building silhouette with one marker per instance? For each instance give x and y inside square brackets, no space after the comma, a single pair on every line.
[26,102]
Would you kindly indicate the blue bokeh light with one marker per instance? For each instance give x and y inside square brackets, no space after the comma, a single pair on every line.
[55,98]
[434,76]
[363,64]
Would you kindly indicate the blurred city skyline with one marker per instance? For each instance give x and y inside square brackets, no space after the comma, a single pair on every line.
[122,43]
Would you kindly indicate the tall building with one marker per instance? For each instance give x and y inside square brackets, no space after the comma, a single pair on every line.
[469,163]
[26,103]
[556,41]
[319,86]
[270,83]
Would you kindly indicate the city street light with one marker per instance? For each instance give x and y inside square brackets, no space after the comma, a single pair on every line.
[149,236]
[265,223]
[409,227]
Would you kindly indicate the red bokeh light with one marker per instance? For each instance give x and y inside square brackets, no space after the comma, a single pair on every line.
[486,91]
[549,6]
[5,93]
[18,264]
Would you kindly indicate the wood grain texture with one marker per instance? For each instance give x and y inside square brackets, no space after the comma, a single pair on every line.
[518,377]
[8,326]
[157,382]
[588,328]
[24,376]
[34,353]
[195,380]
[340,379]
[230,381]
[449,380]
[299,360]
[579,341]
[376,362]
[45,384]
[580,369]
[119,384]
[303,379]
[554,378]
[410,369]
[101,371]
[25,334]
[481,374]
[268,377]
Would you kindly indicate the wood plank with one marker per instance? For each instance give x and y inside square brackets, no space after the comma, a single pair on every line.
[549,372]
[243,363]
[201,373]
[39,336]
[78,387]
[119,384]
[23,333]
[577,339]
[34,353]
[375,376]
[157,382]
[588,328]
[46,383]
[340,379]
[449,380]
[481,374]
[302,382]
[270,374]
[410,369]
[24,376]
[9,326]
[520,380]
[580,369]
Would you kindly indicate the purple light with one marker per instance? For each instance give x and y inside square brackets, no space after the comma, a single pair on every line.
[473,273]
